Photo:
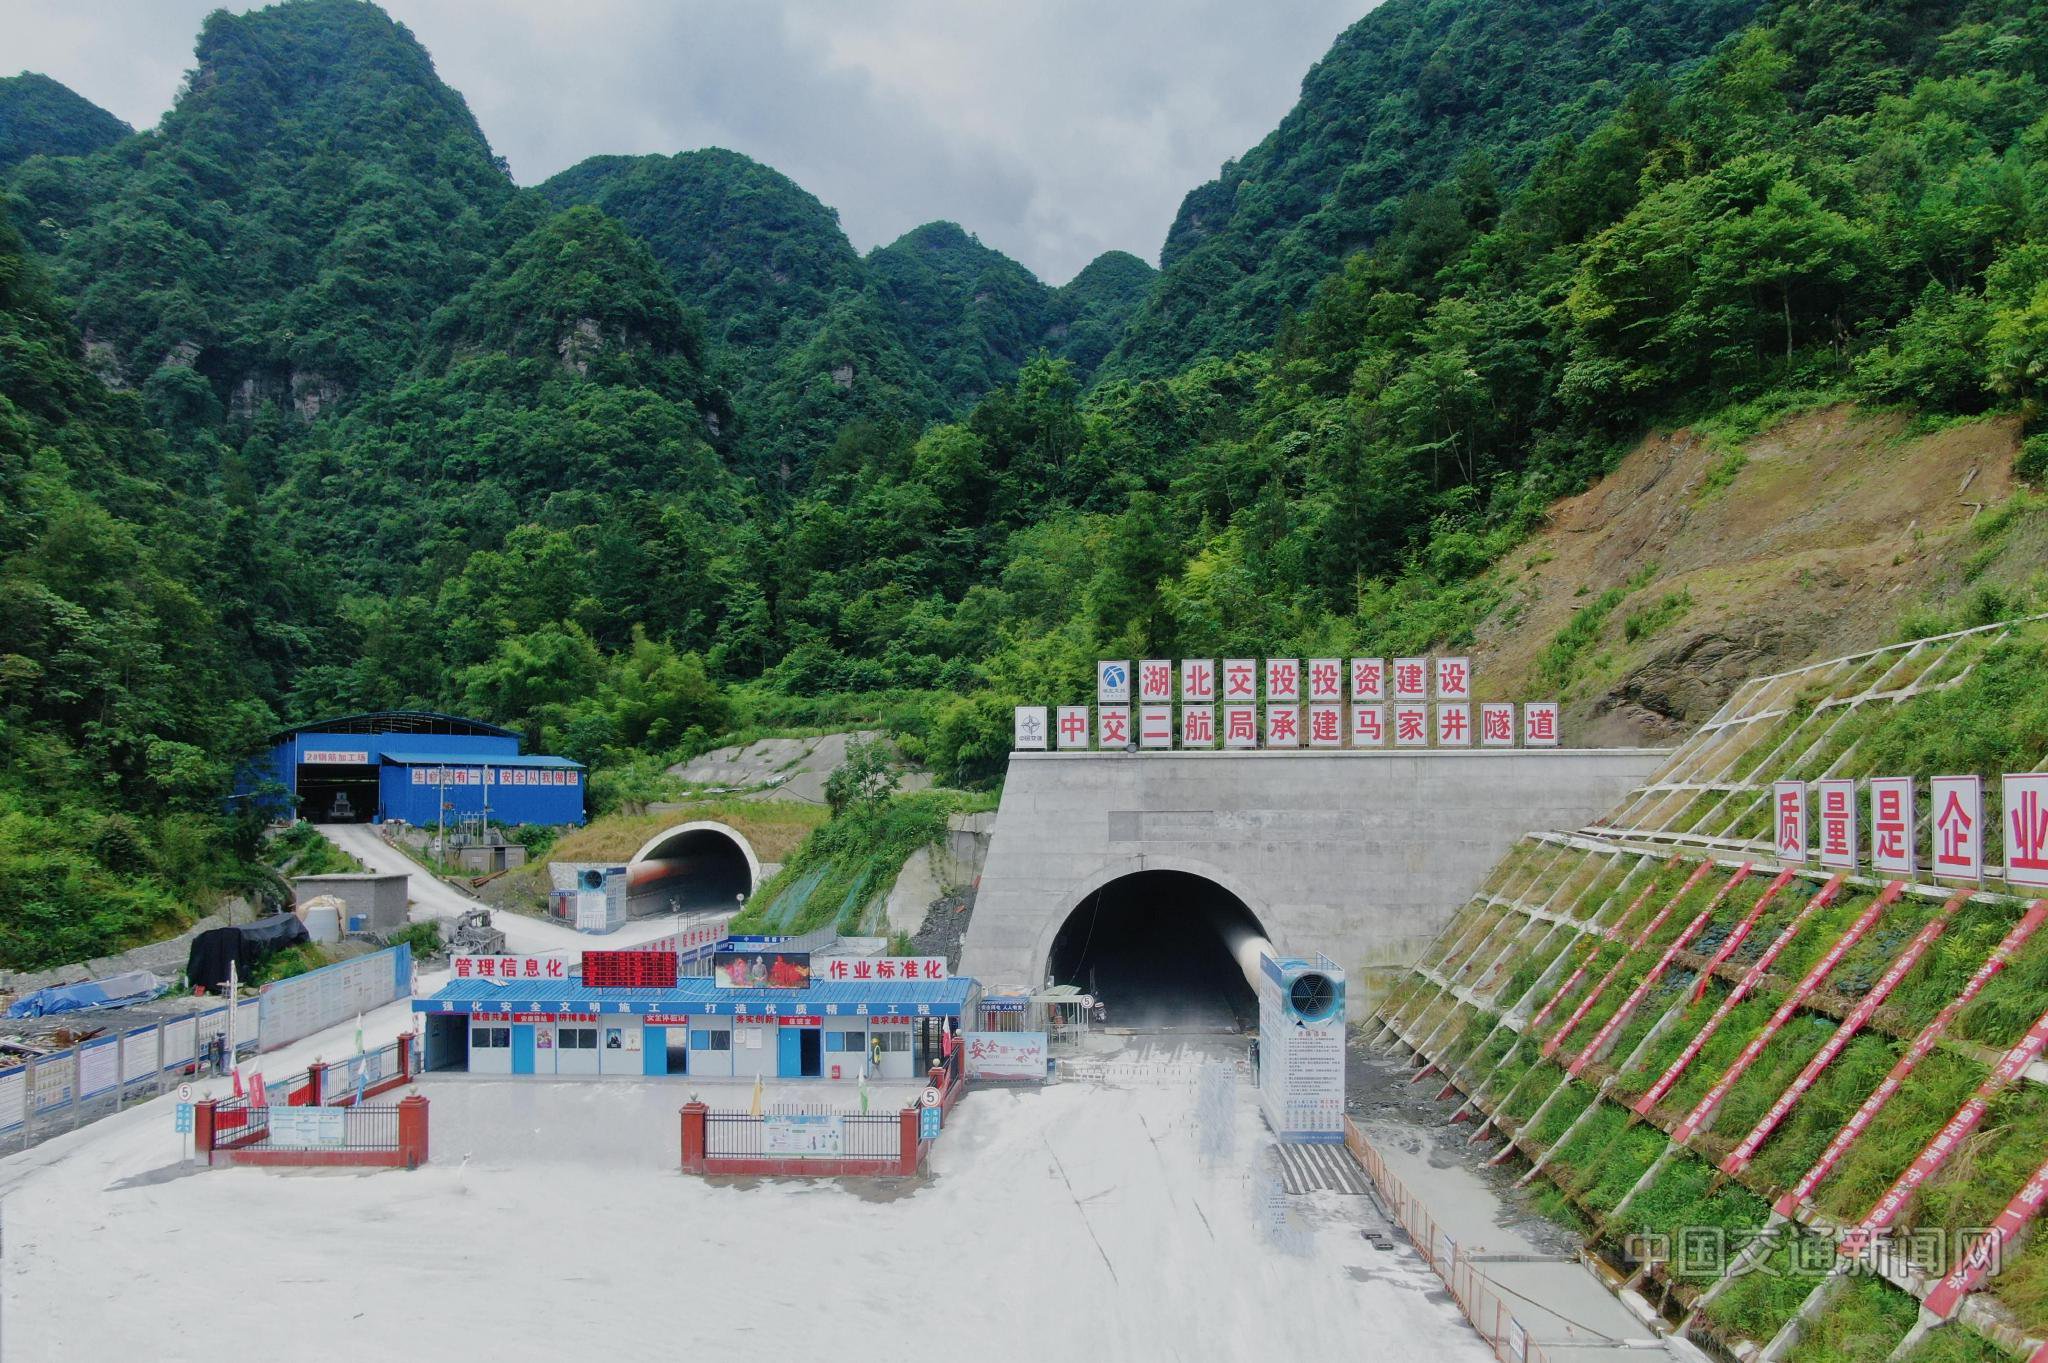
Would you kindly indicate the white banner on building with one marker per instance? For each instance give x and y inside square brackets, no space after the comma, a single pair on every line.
[1005,1055]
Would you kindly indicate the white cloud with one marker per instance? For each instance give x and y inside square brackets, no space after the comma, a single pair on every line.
[1053,129]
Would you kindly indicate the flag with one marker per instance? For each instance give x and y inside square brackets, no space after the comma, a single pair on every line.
[359,1033]
[863,1087]
[754,1107]
[258,1097]
[946,1040]
[238,1081]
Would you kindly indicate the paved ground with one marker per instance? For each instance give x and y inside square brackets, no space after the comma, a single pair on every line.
[435,898]
[1092,1220]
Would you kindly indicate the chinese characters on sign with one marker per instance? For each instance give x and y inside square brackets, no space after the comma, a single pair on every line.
[1958,803]
[881,968]
[1956,826]
[1788,817]
[1245,703]
[509,968]
[1837,822]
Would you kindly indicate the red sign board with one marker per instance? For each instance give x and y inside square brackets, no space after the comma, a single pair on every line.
[629,969]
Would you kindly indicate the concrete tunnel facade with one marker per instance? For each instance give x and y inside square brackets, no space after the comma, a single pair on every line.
[1361,855]
[693,867]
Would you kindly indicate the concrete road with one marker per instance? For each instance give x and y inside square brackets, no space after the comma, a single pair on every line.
[433,897]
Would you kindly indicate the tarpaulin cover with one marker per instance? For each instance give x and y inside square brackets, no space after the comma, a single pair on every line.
[247,946]
[114,991]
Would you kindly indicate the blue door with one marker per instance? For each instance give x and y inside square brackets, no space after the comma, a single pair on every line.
[789,1052]
[654,1050]
[522,1049]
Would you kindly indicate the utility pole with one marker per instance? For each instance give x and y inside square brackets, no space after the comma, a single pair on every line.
[440,808]
[234,989]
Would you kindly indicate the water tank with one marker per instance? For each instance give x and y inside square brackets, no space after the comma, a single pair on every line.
[322,916]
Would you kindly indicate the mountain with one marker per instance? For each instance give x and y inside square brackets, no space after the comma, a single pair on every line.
[1088,313]
[1400,100]
[315,194]
[39,117]
[972,315]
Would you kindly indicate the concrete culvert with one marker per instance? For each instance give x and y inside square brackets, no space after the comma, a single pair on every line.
[1161,949]
[691,868]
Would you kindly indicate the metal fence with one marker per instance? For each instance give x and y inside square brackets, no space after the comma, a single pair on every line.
[1490,1310]
[359,1073]
[44,1095]
[304,1004]
[863,1135]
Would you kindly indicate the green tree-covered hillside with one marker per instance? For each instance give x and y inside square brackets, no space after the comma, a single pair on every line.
[40,117]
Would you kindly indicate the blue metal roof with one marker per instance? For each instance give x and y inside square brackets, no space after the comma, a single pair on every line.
[473,759]
[701,996]
[395,722]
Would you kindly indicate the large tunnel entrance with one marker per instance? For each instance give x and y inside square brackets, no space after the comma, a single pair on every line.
[692,868]
[1151,946]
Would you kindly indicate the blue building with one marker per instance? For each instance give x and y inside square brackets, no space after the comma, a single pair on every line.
[562,1026]
[405,764]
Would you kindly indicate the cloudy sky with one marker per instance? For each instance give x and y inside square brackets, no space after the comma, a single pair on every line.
[1053,129]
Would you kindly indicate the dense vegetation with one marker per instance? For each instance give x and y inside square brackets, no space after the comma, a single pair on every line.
[39,117]
[650,453]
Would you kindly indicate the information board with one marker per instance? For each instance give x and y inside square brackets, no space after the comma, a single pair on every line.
[309,1128]
[804,1135]
[99,1066]
[629,969]
[1301,1049]
[13,1097]
[1005,1055]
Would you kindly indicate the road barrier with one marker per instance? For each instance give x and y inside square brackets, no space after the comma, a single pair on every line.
[1483,1303]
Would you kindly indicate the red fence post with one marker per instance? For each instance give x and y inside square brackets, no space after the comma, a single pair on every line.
[405,1055]
[202,1129]
[694,1114]
[412,1131]
[907,1127]
[316,1084]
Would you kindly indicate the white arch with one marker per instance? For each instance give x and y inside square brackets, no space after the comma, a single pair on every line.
[1130,866]
[738,838]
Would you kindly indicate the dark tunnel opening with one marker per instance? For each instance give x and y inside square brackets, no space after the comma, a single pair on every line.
[1148,945]
[693,871]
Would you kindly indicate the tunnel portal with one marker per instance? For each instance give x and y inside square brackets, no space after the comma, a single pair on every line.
[1151,946]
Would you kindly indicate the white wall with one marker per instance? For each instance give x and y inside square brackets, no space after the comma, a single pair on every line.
[711,1064]
[748,1061]
[578,1061]
[629,1058]
[494,1060]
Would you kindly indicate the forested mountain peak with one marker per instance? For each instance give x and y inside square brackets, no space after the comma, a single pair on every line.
[316,192]
[1402,96]
[41,117]
[744,243]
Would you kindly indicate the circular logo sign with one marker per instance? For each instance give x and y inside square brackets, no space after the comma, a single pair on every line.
[184,1093]
[929,1098]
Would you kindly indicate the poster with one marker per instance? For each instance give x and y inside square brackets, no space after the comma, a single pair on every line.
[805,1135]
[1005,1055]
[761,968]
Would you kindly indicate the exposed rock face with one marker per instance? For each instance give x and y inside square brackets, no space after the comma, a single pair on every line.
[248,396]
[842,375]
[180,356]
[313,393]
[100,357]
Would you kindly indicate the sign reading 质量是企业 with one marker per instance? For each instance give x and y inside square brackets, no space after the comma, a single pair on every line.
[1197,704]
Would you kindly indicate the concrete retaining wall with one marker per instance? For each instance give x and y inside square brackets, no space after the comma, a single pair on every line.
[1361,855]
[377,898]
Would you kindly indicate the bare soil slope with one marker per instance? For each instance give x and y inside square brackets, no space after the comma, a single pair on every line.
[1812,541]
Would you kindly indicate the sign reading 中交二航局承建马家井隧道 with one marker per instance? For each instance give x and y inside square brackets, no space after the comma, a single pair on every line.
[1240,704]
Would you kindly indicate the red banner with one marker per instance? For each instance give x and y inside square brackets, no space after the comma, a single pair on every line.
[1656,921]
[1736,995]
[1865,921]
[1923,1045]
[1952,1134]
[1656,973]
[1988,1252]
[1594,936]
[1854,1022]
[1742,930]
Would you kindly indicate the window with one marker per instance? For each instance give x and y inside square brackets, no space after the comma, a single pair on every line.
[490,1038]
[846,1042]
[576,1038]
[894,1041]
[720,1040]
